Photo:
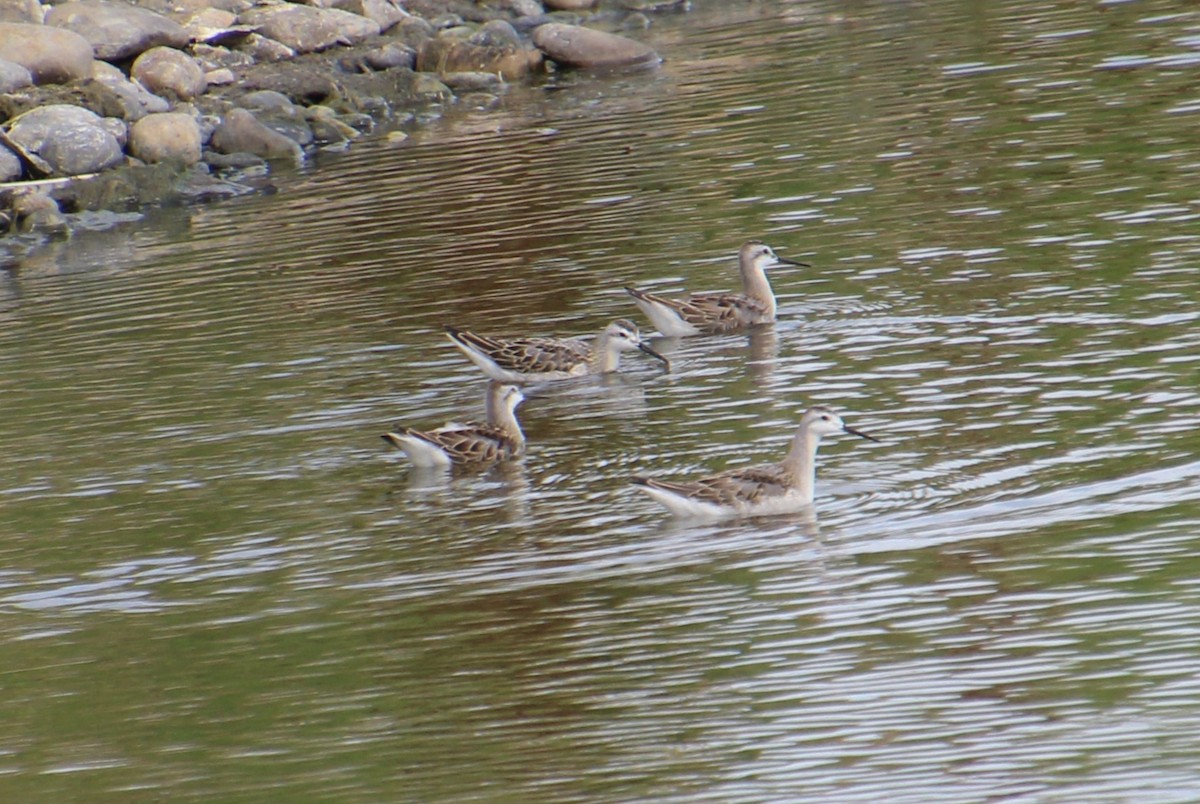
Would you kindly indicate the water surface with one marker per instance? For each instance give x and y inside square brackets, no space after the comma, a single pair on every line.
[217,582]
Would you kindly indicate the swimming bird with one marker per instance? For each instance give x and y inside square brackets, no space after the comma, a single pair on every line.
[532,359]
[713,313]
[501,438]
[750,491]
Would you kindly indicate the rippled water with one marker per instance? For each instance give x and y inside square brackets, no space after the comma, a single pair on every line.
[217,582]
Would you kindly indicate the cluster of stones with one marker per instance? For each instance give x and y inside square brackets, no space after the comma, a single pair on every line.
[89,85]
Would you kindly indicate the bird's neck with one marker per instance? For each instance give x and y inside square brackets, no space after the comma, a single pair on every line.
[758,287]
[800,463]
[604,357]
[504,416]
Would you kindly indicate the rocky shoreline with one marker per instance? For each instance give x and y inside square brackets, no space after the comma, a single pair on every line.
[110,105]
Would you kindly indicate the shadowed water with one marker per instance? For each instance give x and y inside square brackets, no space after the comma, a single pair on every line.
[218,582]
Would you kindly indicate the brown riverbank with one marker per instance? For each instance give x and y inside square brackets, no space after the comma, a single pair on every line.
[107,106]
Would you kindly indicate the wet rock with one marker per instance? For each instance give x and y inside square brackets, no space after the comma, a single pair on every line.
[134,100]
[471,81]
[636,22]
[390,56]
[117,31]
[171,73]
[52,55]
[277,112]
[327,127]
[497,33]
[364,123]
[262,48]
[654,6]
[37,212]
[448,56]
[21,11]
[429,88]
[241,132]
[570,5]
[10,165]
[13,76]
[70,140]
[576,46]
[235,161]
[169,137]
[306,30]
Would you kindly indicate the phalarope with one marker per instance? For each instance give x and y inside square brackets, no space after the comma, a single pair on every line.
[499,439]
[750,491]
[531,359]
[711,313]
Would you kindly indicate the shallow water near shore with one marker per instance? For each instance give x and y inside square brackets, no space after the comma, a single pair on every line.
[219,583]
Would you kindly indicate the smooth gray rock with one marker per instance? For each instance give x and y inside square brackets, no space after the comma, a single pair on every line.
[52,55]
[272,102]
[413,31]
[263,48]
[390,56]
[115,30]
[306,30]
[117,128]
[10,165]
[220,77]
[497,33]
[71,140]
[22,11]
[171,137]
[576,46]
[135,100]
[386,14]
[215,57]
[526,8]
[277,112]
[214,26]
[168,72]
[241,132]
[13,76]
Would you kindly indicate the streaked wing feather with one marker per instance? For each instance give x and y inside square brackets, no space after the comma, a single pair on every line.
[719,312]
[531,355]
[743,486]
[475,443]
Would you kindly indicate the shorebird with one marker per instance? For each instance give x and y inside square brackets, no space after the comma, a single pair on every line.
[778,488]
[532,359]
[712,313]
[452,444]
